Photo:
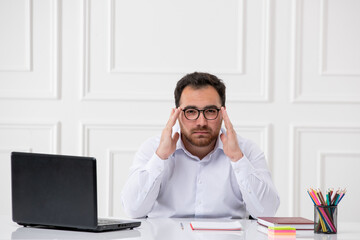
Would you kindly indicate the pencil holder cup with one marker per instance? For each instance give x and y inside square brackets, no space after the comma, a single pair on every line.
[325,219]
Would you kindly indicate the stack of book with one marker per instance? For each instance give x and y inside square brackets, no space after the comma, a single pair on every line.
[281,232]
[303,226]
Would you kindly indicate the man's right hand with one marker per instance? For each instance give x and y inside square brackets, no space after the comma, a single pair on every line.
[168,142]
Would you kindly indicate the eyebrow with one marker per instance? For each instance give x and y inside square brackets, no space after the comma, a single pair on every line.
[194,107]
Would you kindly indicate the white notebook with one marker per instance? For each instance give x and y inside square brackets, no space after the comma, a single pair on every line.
[222,226]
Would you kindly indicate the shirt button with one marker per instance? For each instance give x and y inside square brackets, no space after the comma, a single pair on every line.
[199,203]
[199,181]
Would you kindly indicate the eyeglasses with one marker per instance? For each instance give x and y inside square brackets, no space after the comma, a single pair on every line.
[209,113]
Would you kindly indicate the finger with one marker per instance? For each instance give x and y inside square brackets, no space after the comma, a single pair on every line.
[176,137]
[171,114]
[223,138]
[173,117]
[177,112]
[228,124]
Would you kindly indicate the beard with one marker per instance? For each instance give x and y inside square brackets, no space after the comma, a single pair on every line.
[200,139]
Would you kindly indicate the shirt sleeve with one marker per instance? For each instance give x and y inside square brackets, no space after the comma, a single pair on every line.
[254,180]
[142,187]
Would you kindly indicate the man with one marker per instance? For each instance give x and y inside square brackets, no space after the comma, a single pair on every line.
[196,168]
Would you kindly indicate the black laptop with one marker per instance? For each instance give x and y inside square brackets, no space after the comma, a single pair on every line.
[58,191]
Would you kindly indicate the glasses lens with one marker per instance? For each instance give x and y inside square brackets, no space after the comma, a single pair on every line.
[211,113]
[191,114]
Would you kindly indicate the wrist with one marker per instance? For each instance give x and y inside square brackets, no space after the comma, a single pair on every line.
[161,155]
[237,157]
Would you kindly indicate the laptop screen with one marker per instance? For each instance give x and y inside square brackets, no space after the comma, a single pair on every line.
[54,190]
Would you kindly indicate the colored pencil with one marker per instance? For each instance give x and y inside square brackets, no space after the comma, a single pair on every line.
[326,220]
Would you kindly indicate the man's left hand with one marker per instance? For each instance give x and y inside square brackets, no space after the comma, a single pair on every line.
[230,142]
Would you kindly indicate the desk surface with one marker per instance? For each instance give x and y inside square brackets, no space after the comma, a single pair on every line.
[159,229]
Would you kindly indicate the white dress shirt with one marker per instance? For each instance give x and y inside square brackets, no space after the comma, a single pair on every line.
[185,186]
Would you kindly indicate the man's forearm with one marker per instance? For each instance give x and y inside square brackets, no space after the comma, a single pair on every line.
[257,188]
[260,197]
[142,188]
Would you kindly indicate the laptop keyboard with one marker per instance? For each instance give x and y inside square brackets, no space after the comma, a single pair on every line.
[104,221]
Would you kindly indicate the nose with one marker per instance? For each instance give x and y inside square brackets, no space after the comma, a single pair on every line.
[201,121]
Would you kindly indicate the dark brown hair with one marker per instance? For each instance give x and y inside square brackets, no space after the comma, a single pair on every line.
[199,80]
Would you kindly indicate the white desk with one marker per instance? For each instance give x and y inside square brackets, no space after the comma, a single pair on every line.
[162,229]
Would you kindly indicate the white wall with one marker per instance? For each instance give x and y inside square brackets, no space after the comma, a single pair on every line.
[96,78]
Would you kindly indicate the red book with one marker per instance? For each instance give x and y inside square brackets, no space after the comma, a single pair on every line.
[299,223]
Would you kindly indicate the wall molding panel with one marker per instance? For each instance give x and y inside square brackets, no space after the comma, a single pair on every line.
[324,23]
[308,83]
[41,75]
[28,131]
[113,185]
[87,127]
[338,169]
[263,138]
[113,68]
[109,142]
[26,66]
[111,74]
[307,142]
[322,161]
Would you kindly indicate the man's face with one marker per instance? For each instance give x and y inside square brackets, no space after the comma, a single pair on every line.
[200,132]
